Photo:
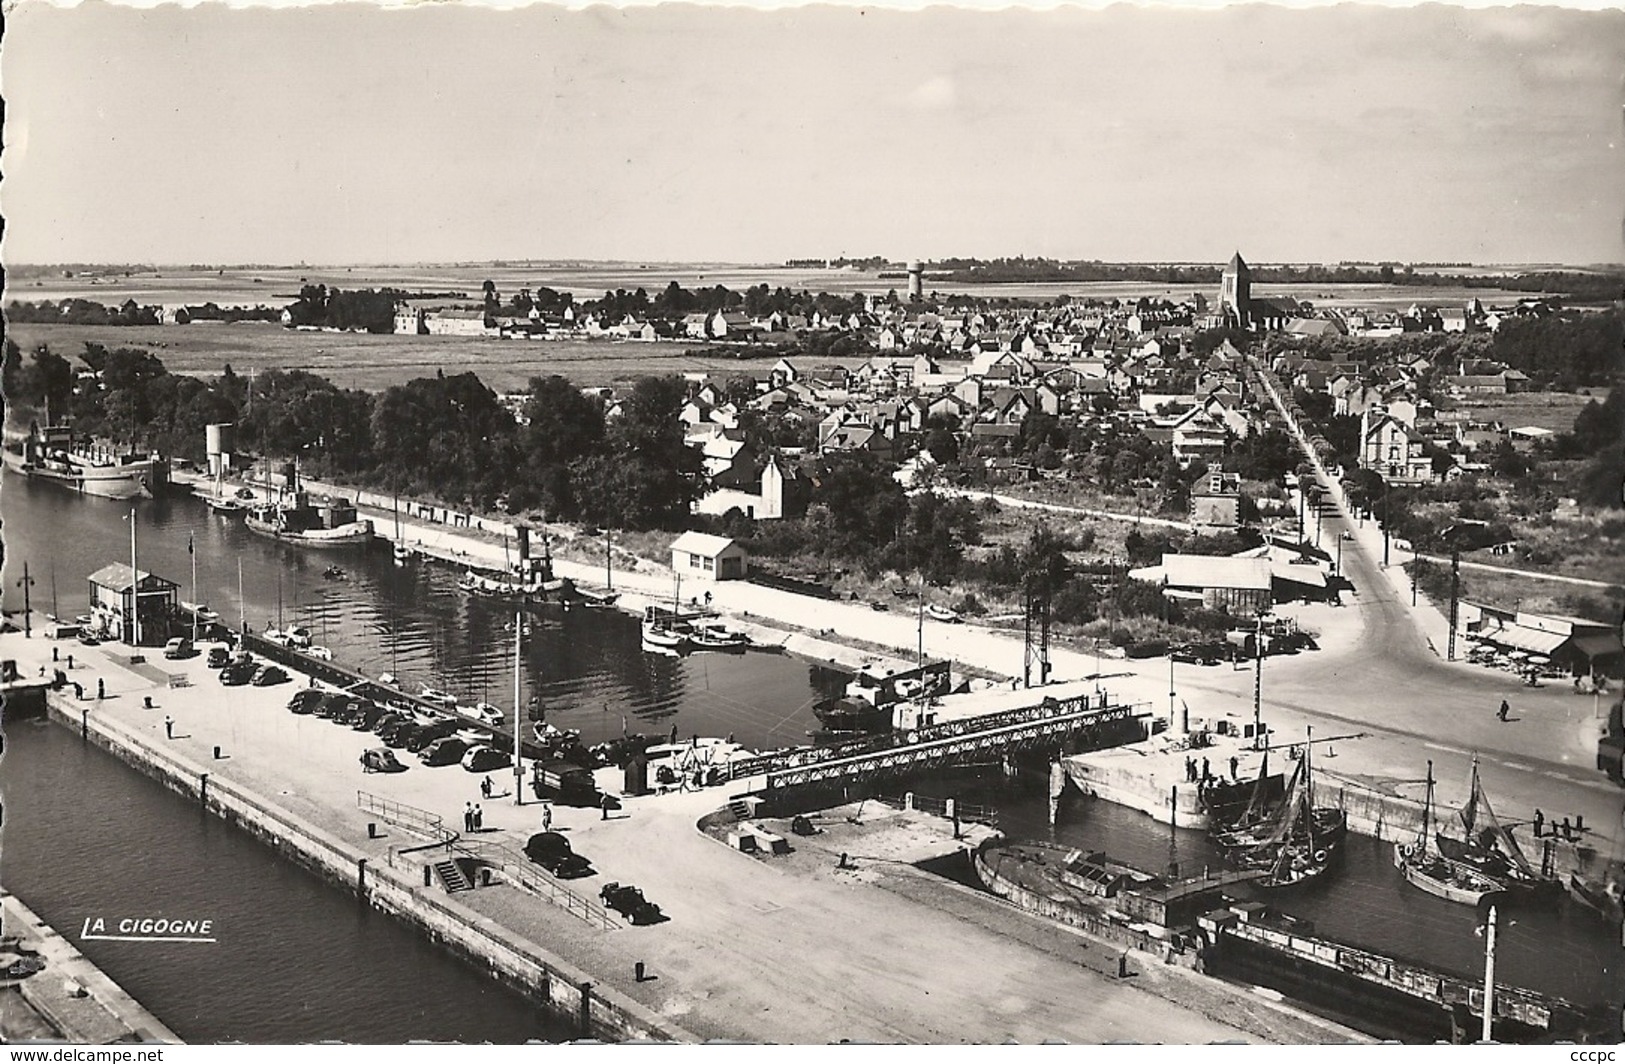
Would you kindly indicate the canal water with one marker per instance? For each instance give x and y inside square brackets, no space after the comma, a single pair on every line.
[1568,951]
[296,959]
[590,673]
[586,666]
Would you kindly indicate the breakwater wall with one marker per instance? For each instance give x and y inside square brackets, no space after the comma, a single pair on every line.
[551,982]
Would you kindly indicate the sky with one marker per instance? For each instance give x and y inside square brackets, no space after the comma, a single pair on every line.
[350,134]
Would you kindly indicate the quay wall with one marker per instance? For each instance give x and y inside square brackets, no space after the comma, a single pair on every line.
[550,981]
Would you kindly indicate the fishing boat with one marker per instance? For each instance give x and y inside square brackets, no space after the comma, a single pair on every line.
[714,635]
[1425,868]
[594,599]
[1259,822]
[56,453]
[434,694]
[1603,898]
[398,548]
[662,632]
[942,613]
[1488,847]
[1292,853]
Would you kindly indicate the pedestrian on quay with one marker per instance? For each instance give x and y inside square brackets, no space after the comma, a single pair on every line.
[1540,823]
[547,817]
[479,819]
[485,787]
[1234,765]
[468,817]
[1207,773]
[169,726]
[101,688]
[1568,831]
[54,652]
[78,691]
[70,661]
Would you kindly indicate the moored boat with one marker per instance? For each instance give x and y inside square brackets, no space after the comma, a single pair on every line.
[1488,848]
[942,613]
[714,635]
[55,453]
[1428,870]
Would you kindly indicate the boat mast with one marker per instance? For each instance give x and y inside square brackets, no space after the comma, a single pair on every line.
[1427,811]
[609,574]
[191,548]
[242,602]
[135,587]
[518,651]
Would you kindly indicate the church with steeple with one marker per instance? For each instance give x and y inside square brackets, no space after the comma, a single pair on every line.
[1237,306]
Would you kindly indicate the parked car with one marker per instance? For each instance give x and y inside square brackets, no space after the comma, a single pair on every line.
[177,648]
[218,658]
[552,851]
[446,750]
[87,638]
[380,759]
[433,731]
[270,676]
[367,715]
[238,673]
[399,736]
[486,759]
[305,701]
[630,903]
[332,703]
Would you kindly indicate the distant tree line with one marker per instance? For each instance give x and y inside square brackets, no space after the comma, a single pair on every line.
[365,310]
[448,438]
[81,312]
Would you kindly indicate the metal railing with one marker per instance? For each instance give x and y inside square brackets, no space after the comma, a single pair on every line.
[527,876]
[407,817]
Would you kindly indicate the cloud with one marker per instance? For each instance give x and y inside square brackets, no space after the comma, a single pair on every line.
[933,94]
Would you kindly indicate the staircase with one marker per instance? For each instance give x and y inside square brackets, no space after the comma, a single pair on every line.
[740,809]
[452,877]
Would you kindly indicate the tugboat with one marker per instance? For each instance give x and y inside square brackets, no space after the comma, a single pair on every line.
[869,703]
[1425,868]
[294,518]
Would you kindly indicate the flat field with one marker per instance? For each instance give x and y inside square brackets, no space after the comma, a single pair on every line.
[373,363]
[279,285]
[1547,410]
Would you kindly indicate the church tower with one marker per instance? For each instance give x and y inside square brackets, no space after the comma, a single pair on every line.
[1235,292]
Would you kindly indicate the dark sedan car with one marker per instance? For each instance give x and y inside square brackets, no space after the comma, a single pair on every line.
[238,673]
[552,851]
[305,701]
[218,658]
[270,676]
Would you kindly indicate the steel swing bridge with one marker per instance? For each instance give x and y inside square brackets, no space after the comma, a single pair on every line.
[960,741]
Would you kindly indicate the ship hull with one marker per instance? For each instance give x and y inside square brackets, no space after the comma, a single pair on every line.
[107,482]
[351,535]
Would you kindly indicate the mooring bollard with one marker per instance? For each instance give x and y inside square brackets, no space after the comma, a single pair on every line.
[372,829]
[217,753]
[428,875]
[584,1017]
[146,702]
[637,972]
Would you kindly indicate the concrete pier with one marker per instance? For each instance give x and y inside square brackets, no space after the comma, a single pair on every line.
[79,1002]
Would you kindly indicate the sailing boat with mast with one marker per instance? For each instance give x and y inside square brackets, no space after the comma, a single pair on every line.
[1425,868]
[1490,848]
[219,502]
[1296,845]
[663,630]
[401,551]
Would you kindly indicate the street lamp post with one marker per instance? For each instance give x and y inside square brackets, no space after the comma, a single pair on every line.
[28,609]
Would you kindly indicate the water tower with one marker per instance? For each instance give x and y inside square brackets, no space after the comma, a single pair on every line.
[218,446]
[916,278]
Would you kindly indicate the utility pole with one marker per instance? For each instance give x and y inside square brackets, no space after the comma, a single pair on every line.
[1258,685]
[1455,590]
[135,588]
[1489,973]
[1385,524]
